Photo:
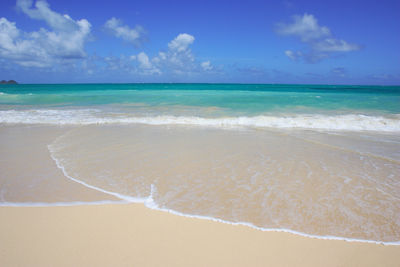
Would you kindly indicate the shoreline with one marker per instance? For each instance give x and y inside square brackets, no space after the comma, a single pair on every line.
[128,234]
[154,207]
[108,196]
[49,227]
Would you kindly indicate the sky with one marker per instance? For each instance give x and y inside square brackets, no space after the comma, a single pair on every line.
[311,42]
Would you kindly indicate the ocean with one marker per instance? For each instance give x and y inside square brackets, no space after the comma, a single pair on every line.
[316,160]
[374,108]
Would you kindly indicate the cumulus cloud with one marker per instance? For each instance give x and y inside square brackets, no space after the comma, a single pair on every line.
[177,59]
[306,27]
[319,39]
[134,36]
[179,56]
[43,12]
[145,64]
[60,44]
[63,42]
[181,42]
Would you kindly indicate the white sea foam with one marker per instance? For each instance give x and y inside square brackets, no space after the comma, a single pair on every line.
[117,195]
[150,202]
[349,122]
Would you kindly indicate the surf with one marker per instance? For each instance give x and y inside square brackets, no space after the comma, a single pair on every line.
[348,122]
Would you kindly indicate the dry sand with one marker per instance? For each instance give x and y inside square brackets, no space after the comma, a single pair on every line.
[133,235]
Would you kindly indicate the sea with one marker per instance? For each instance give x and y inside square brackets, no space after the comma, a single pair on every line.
[322,161]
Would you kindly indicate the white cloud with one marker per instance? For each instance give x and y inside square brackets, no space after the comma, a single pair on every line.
[181,42]
[135,35]
[162,55]
[144,60]
[43,12]
[61,42]
[318,38]
[43,48]
[176,62]
[178,59]
[206,65]
[306,27]
[145,65]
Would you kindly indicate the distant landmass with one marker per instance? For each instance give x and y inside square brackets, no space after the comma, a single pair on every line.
[8,82]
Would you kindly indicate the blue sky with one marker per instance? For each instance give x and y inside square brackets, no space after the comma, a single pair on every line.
[330,42]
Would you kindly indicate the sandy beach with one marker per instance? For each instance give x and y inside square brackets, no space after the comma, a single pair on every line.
[199,133]
[132,235]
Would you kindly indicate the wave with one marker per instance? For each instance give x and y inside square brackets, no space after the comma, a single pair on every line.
[151,203]
[349,122]
[127,199]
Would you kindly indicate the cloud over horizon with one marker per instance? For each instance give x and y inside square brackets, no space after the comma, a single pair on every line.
[177,59]
[63,43]
[319,40]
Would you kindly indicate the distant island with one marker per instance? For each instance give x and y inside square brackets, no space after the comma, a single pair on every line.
[9,82]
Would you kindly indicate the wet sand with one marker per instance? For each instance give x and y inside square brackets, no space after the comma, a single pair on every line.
[132,235]
[317,184]
[29,175]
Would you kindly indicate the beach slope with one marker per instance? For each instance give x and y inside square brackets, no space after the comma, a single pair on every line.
[133,235]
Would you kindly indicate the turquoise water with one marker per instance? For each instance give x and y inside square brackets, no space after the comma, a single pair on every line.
[251,98]
[201,101]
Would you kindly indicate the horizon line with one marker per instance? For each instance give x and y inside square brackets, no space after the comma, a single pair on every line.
[332,84]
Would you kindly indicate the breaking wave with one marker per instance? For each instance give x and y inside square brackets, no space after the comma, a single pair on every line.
[349,122]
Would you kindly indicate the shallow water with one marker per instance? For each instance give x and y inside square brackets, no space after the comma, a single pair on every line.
[322,161]
[270,179]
